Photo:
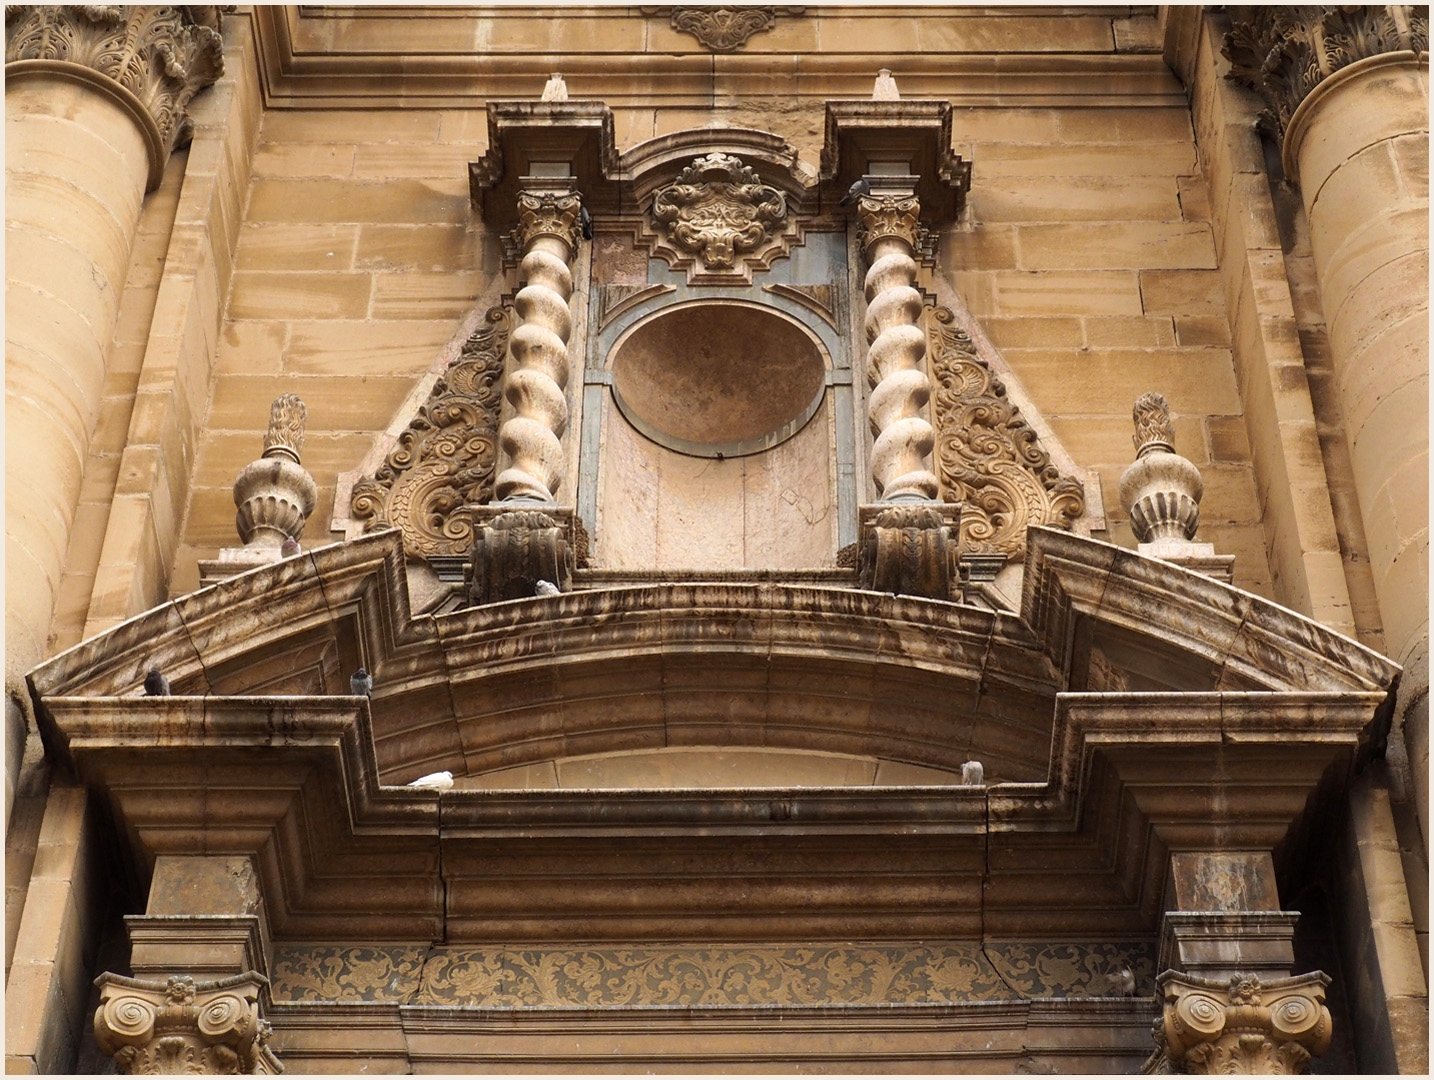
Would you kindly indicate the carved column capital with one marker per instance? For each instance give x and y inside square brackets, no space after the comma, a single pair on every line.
[1283,53]
[552,213]
[1241,1025]
[153,59]
[886,216]
[183,1026]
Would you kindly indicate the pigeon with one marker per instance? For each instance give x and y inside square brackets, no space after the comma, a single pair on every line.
[155,684]
[289,548]
[1123,982]
[440,780]
[361,683]
[555,89]
[856,191]
[546,588]
[885,88]
[585,222]
[973,774]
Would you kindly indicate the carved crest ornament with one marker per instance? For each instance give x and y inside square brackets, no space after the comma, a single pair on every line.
[718,219]
[987,457]
[444,460]
[723,29]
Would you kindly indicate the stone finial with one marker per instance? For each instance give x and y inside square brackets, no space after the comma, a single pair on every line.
[1153,429]
[1241,1025]
[885,88]
[162,57]
[275,495]
[183,1026]
[555,89]
[285,437]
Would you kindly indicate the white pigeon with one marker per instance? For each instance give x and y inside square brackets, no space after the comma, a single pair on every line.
[440,780]
[973,773]
[546,588]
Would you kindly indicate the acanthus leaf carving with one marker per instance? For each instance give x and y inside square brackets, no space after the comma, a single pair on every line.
[1241,1025]
[718,220]
[987,457]
[723,29]
[445,459]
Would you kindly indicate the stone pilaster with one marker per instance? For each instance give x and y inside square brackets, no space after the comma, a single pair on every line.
[548,234]
[1242,1025]
[1347,89]
[900,389]
[184,1026]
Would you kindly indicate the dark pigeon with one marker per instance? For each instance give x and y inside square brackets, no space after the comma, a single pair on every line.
[585,221]
[856,191]
[289,548]
[155,684]
[361,683]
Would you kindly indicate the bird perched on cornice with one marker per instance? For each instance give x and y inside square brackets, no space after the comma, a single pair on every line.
[585,222]
[361,683]
[546,588]
[856,191]
[973,774]
[155,684]
[442,781]
[289,548]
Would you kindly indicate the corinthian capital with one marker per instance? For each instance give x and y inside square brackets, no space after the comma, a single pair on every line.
[1285,52]
[161,56]
[1242,1025]
[548,213]
[180,1026]
[889,216]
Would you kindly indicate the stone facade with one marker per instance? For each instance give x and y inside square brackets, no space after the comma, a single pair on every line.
[714,454]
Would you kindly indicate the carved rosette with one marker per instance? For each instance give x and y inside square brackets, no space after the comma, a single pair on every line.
[988,458]
[548,232]
[910,550]
[718,221]
[444,461]
[1161,491]
[514,551]
[1285,52]
[723,29]
[896,346]
[184,1027]
[1241,1025]
[275,495]
[161,55]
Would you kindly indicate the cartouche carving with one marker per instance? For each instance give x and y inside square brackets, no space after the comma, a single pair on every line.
[549,233]
[161,55]
[723,29]
[897,344]
[1241,1025]
[444,461]
[988,458]
[1285,52]
[184,1027]
[716,212]
[275,495]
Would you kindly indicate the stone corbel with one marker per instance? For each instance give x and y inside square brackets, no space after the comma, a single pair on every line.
[910,548]
[516,547]
[1243,1024]
[184,1026]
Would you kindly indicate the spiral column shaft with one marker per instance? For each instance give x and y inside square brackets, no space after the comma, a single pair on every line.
[900,388]
[539,346]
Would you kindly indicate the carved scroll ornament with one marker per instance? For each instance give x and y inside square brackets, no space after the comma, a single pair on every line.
[988,458]
[715,213]
[444,460]
[723,29]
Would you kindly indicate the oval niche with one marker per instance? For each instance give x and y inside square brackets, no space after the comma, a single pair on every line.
[718,378]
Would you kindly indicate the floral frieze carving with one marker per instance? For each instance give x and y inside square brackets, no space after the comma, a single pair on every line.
[718,220]
[987,457]
[444,460]
[1285,52]
[499,977]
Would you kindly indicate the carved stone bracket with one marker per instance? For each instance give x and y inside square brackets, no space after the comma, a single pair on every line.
[444,461]
[516,548]
[1241,1025]
[1284,52]
[987,457]
[160,56]
[719,221]
[910,548]
[183,1026]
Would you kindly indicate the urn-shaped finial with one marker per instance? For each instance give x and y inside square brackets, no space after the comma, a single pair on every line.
[1161,490]
[275,495]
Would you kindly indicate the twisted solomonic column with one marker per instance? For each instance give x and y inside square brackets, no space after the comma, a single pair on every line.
[897,344]
[548,231]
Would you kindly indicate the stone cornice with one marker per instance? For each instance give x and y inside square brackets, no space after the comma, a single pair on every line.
[1285,52]
[152,59]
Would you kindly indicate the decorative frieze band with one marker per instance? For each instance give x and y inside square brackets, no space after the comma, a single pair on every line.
[733,975]
[1284,52]
[162,56]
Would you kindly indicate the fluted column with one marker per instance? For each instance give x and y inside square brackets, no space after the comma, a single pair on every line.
[900,389]
[548,231]
[95,99]
[1348,89]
